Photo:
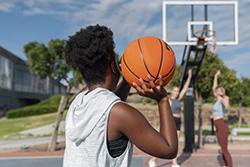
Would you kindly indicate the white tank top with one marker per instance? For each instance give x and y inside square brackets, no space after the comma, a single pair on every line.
[86,132]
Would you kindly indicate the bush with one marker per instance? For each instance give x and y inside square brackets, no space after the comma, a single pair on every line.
[53,100]
[44,107]
[246,102]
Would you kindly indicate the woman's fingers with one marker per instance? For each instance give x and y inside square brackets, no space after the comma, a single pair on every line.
[152,84]
[155,92]
[138,88]
[218,73]
[161,81]
[143,85]
[190,72]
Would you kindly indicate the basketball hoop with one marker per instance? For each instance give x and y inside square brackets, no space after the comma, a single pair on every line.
[206,37]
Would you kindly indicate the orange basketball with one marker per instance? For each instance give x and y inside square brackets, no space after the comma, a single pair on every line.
[148,56]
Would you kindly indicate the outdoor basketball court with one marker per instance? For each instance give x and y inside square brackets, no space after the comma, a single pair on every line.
[201,27]
[204,157]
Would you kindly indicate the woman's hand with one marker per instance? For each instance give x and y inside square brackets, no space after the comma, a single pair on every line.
[156,92]
[217,73]
[190,73]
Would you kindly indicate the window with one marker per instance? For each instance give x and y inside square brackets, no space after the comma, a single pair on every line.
[6,73]
[29,82]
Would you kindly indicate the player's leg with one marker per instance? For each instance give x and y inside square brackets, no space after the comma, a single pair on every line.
[224,145]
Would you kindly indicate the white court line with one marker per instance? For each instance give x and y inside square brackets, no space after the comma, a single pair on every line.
[30,157]
[215,155]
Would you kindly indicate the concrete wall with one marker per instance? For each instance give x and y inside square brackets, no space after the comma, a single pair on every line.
[22,92]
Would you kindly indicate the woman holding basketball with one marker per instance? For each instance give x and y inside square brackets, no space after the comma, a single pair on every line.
[100,128]
[220,107]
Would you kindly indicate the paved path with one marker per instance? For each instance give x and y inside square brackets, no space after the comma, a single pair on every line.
[23,143]
[48,129]
[43,130]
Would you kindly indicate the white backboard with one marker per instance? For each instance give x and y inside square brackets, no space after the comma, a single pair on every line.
[180,18]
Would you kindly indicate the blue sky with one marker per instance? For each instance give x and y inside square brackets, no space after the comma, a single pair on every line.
[42,20]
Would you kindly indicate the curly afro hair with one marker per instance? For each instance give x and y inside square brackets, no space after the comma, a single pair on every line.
[91,50]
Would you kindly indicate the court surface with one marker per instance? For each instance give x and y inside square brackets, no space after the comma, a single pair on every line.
[204,158]
[55,161]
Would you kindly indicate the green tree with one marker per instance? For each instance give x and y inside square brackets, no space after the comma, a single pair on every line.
[205,77]
[245,84]
[48,62]
[175,81]
[227,79]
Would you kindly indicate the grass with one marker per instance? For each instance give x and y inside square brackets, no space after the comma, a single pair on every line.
[44,107]
[10,127]
[242,126]
[243,134]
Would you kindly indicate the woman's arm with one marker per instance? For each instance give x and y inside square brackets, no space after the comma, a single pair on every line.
[122,90]
[132,123]
[186,85]
[215,83]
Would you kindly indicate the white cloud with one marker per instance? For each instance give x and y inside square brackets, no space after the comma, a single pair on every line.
[6,6]
[39,11]
[130,19]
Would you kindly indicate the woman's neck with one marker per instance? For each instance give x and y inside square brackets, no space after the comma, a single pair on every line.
[92,87]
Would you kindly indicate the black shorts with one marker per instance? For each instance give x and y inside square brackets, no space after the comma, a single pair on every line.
[177,123]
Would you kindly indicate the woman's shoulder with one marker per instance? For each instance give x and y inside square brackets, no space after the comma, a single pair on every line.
[124,112]
[217,104]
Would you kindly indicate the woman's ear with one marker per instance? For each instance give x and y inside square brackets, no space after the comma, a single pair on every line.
[113,68]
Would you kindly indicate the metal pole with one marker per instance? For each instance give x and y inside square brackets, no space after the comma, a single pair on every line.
[205,18]
[205,13]
[189,121]
[192,19]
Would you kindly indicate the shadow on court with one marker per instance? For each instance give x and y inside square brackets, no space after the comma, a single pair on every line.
[181,159]
[220,158]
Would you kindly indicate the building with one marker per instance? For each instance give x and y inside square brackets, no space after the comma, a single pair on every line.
[20,87]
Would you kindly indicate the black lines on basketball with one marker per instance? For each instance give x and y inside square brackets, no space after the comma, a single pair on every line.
[157,76]
[126,65]
[142,57]
[167,47]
